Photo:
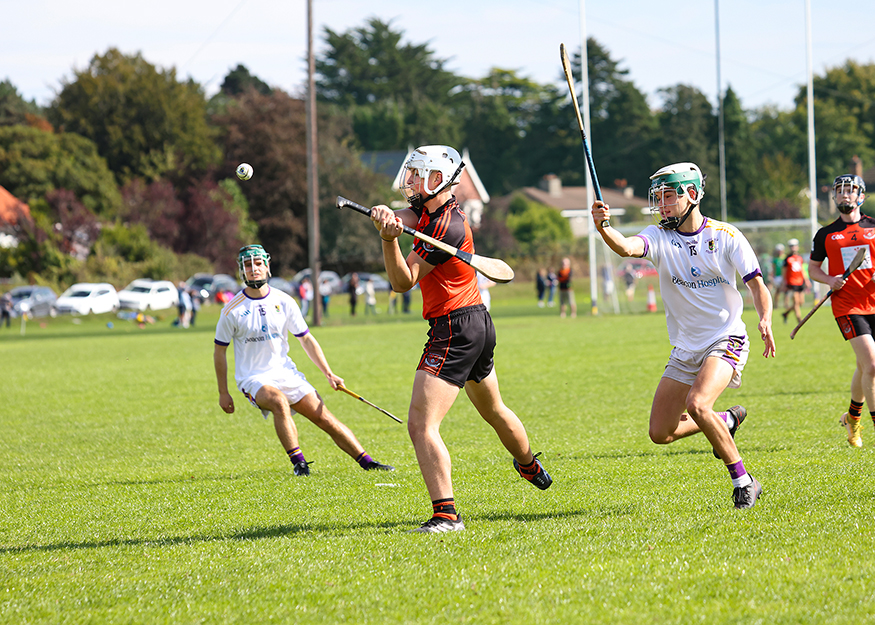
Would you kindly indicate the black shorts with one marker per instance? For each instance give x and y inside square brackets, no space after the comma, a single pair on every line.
[798,288]
[460,346]
[852,326]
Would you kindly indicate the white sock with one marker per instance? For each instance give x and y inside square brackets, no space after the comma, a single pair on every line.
[741,482]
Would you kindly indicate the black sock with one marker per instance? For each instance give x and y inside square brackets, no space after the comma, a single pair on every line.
[445,508]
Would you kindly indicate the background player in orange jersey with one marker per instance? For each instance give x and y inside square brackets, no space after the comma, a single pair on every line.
[853,299]
[461,338]
[795,281]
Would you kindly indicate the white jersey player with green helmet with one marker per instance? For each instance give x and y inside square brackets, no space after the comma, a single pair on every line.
[698,259]
[258,321]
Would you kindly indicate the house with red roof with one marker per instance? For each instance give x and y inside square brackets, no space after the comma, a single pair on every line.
[14,218]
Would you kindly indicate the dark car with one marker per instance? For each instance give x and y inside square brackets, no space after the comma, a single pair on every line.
[223,288]
[380,283]
[201,283]
[36,301]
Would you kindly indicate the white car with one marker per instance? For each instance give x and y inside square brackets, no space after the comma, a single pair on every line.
[149,295]
[85,298]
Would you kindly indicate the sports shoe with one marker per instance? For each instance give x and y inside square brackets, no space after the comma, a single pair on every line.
[746,496]
[373,465]
[302,469]
[854,428]
[539,478]
[439,525]
[738,414]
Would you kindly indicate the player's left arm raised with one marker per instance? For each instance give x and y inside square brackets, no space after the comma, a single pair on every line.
[314,352]
[762,301]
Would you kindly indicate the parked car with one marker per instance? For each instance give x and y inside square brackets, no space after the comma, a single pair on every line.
[86,298]
[36,301]
[283,285]
[380,283]
[640,266]
[223,288]
[333,280]
[202,283]
[147,294]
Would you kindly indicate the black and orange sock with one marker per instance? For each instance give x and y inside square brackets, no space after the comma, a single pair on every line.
[872,414]
[445,509]
[856,409]
[529,469]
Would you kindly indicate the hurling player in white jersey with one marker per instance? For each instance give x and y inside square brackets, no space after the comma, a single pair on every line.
[258,321]
[698,259]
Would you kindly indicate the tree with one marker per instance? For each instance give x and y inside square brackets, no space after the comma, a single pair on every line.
[239,80]
[498,111]
[268,131]
[144,122]
[741,156]
[15,110]
[34,162]
[384,85]
[687,129]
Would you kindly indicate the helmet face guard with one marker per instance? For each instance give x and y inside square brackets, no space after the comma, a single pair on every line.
[685,179]
[248,254]
[850,184]
[421,164]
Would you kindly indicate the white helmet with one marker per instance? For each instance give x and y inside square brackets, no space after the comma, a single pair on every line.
[793,242]
[425,160]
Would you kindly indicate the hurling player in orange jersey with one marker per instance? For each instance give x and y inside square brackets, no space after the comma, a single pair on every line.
[853,299]
[461,338]
[795,281]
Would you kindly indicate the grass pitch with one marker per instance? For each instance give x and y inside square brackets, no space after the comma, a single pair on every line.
[128,496]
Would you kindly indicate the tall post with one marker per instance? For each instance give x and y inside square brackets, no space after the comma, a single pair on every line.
[721,140]
[584,102]
[812,160]
[312,172]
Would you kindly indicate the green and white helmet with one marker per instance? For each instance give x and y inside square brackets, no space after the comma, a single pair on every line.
[250,253]
[680,178]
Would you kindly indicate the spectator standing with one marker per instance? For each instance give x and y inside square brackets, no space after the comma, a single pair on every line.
[306,293]
[370,297]
[5,309]
[541,286]
[325,294]
[566,294]
[629,279]
[195,304]
[552,281]
[353,293]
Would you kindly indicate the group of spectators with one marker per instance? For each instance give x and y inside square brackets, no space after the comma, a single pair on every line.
[546,283]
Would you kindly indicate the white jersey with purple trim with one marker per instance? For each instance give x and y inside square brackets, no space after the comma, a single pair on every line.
[697,280]
[260,329]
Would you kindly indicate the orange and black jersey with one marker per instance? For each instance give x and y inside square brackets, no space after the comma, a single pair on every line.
[837,243]
[793,269]
[452,284]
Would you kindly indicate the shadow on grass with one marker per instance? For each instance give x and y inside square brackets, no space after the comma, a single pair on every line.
[618,455]
[277,531]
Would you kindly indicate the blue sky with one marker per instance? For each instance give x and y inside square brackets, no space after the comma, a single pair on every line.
[660,43]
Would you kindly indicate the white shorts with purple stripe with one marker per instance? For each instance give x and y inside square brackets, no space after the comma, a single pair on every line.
[683,366]
[289,382]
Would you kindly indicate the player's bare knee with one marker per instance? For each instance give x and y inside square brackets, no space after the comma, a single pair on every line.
[659,437]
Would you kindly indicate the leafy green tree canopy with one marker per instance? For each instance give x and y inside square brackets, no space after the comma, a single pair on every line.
[144,121]
[33,163]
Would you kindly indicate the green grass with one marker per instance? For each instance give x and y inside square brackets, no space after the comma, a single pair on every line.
[128,496]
